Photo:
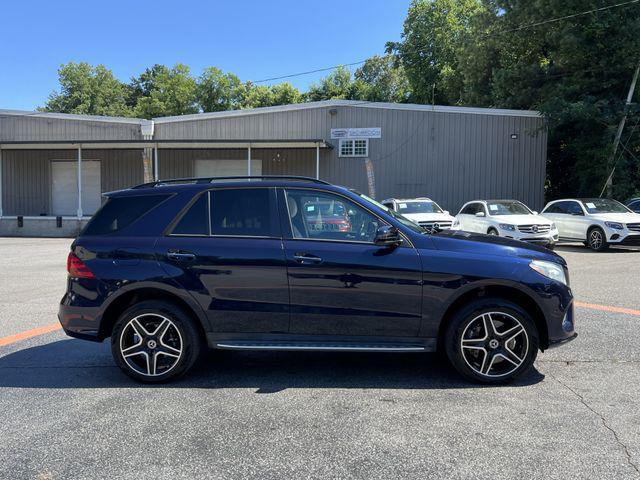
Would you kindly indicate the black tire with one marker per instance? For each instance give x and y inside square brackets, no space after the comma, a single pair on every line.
[464,361]
[551,246]
[597,240]
[493,231]
[181,334]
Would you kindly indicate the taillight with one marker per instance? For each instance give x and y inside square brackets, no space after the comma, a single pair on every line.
[77,268]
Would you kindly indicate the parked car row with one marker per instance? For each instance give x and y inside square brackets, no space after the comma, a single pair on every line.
[597,222]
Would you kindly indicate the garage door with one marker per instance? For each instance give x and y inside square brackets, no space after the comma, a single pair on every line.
[226,168]
[64,188]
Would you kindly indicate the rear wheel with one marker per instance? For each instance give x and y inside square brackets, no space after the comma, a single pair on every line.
[492,231]
[596,239]
[492,341]
[155,341]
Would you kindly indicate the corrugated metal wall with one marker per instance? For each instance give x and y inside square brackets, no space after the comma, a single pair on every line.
[26,176]
[178,163]
[451,157]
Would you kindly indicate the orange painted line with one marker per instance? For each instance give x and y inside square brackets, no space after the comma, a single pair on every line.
[29,334]
[607,308]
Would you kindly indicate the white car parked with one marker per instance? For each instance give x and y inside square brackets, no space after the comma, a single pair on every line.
[507,218]
[423,211]
[597,222]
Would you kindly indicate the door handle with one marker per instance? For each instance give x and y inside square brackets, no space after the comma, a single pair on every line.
[180,255]
[306,258]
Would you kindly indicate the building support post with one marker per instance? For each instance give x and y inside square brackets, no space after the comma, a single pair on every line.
[318,161]
[249,160]
[79,174]
[156,174]
[0,183]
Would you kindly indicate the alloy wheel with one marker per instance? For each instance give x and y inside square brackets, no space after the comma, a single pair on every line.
[151,344]
[595,239]
[494,344]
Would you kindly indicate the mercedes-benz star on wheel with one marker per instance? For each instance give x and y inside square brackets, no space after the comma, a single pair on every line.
[423,211]
[290,263]
[507,218]
[597,222]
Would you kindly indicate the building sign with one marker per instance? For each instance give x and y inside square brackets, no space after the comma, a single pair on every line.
[372,132]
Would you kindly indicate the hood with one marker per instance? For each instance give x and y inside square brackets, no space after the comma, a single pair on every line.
[522,219]
[428,217]
[617,217]
[470,242]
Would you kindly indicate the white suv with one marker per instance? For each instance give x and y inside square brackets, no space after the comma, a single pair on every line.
[507,218]
[423,211]
[597,222]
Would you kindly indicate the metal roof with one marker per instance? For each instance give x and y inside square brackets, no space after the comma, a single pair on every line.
[72,116]
[274,109]
[182,144]
[349,103]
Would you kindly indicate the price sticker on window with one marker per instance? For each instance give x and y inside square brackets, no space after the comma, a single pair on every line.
[403,206]
[493,208]
[591,205]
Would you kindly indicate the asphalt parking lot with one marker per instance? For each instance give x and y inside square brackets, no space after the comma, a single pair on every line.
[67,412]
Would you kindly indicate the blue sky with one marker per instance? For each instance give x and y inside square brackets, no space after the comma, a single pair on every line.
[253,39]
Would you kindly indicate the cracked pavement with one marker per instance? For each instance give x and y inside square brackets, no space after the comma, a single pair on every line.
[67,412]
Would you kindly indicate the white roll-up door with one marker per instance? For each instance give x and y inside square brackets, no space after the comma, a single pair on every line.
[64,187]
[226,168]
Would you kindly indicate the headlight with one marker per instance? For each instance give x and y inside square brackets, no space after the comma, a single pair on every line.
[506,226]
[614,225]
[455,223]
[550,270]
[553,226]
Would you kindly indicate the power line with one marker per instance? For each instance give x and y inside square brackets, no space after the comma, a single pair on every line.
[418,49]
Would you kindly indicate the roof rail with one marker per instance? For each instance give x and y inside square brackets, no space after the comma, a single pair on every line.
[239,177]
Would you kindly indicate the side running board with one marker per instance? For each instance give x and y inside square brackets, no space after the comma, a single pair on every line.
[318,346]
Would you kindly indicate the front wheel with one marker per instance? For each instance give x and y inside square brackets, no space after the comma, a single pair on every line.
[155,341]
[492,231]
[596,240]
[492,341]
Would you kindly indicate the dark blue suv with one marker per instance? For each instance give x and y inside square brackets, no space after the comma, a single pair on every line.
[292,263]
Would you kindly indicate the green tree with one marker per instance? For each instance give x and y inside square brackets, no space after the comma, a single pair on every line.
[89,90]
[381,79]
[431,41]
[162,91]
[575,71]
[219,91]
[338,84]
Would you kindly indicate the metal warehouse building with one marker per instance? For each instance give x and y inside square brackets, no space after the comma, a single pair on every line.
[54,167]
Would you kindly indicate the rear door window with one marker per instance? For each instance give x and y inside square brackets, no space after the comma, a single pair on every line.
[196,219]
[245,212]
[120,212]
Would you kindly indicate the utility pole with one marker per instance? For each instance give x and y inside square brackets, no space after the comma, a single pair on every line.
[611,166]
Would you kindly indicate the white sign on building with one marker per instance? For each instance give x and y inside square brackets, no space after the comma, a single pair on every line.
[371,132]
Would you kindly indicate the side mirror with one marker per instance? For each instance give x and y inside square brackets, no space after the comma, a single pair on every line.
[535,212]
[479,214]
[446,212]
[387,236]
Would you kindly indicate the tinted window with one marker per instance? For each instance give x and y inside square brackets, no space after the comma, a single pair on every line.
[242,212]
[194,221]
[635,206]
[120,212]
[556,208]
[324,216]
[471,209]
[388,205]
[573,208]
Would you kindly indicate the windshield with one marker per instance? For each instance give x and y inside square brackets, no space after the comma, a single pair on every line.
[508,208]
[404,220]
[419,207]
[604,205]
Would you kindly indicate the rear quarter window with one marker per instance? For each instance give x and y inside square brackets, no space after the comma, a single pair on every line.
[120,212]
